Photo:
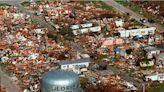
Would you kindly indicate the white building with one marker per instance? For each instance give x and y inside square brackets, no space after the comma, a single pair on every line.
[95,29]
[86,25]
[84,28]
[151,51]
[39,31]
[75,27]
[134,32]
[154,77]
[78,65]
[119,23]
[18,15]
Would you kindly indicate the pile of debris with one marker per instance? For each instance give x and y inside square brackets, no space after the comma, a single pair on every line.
[27,51]
[108,84]
[70,13]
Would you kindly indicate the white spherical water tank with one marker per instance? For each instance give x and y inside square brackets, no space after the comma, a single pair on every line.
[60,81]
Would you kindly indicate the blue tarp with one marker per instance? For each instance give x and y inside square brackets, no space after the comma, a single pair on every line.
[138,36]
[116,50]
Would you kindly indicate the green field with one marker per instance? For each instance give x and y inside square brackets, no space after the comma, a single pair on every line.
[3,65]
[101,4]
[25,3]
[3,4]
[156,87]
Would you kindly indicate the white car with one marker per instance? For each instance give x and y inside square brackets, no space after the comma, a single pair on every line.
[130,86]
[143,20]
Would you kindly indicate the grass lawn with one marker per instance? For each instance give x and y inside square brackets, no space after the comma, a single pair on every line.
[26,3]
[3,4]
[3,65]
[124,3]
[157,87]
[101,4]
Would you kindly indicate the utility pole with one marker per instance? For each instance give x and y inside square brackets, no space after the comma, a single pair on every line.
[143,87]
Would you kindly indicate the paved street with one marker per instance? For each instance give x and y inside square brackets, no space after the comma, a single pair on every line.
[12,2]
[78,48]
[134,15]
[7,83]
[34,17]
[125,76]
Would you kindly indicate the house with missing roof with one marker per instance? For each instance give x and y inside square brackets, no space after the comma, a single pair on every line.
[160,60]
[78,66]
[150,51]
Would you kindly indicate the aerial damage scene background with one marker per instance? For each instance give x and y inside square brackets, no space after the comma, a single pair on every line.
[81,46]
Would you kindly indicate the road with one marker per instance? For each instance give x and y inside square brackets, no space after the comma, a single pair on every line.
[78,48]
[134,15]
[7,83]
[12,2]
[125,76]
[36,18]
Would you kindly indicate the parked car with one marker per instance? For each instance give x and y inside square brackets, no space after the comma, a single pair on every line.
[151,20]
[130,85]
[128,14]
[143,20]
[137,37]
